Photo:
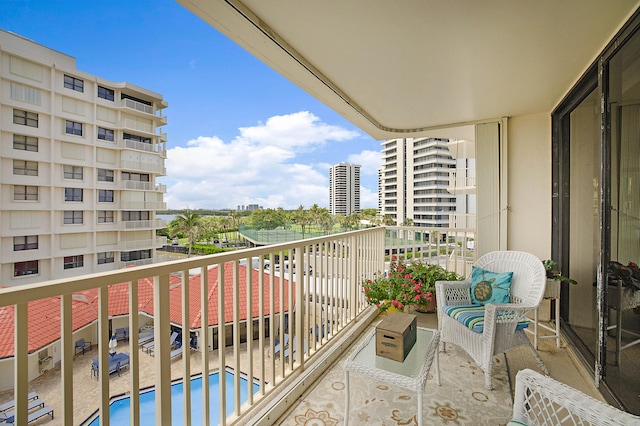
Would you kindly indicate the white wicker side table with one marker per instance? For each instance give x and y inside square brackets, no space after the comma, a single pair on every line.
[552,292]
[410,374]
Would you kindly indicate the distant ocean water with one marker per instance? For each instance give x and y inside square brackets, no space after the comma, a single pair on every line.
[167,217]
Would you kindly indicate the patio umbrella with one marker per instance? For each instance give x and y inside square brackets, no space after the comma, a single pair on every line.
[112,345]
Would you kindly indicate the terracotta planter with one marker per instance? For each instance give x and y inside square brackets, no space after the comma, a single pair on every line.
[429,308]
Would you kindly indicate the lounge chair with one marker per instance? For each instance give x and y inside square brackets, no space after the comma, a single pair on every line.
[44,411]
[177,351]
[277,348]
[82,345]
[122,333]
[292,347]
[10,404]
[172,343]
[31,404]
[145,337]
[148,346]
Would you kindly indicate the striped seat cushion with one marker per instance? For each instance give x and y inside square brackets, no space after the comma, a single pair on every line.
[472,316]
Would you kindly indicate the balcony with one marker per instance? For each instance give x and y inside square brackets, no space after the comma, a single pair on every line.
[143,205]
[143,224]
[143,167]
[137,126]
[158,148]
[462,181]
[142,244]
[327,296]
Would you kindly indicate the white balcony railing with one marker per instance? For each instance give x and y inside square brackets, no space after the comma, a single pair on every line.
[143,205]
[142,166]
[143,224]
[138,106]
[325,296]
[135,125]
[462,181]
[142,244]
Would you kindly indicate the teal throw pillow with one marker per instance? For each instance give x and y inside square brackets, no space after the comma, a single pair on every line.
[490,287]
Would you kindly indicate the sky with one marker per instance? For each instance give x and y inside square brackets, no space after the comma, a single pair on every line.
[238,133]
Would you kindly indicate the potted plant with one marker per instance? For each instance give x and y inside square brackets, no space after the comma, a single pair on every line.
[406,285]
[554,278]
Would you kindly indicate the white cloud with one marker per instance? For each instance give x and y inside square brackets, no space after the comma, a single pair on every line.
[257,167]
[369,160]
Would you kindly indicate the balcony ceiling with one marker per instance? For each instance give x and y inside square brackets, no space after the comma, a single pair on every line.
[401,68]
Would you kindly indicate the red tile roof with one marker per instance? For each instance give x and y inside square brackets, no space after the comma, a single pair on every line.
[44,314]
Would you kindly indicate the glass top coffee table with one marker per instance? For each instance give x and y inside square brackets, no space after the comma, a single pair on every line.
[410,374]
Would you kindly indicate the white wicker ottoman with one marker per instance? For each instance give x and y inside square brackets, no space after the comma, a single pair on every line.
[410,374]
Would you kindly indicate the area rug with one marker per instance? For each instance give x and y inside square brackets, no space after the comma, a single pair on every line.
[461,399]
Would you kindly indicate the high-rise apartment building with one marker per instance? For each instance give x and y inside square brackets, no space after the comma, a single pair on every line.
[414,182]
[79,159]
[344,189]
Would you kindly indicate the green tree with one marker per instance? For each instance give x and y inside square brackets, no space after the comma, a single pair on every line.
[266,219]
[187,224]
[302,217]
[408,222]
[388,220]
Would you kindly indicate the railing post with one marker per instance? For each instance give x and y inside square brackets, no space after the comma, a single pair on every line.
[21,368]
[134,414]
[186,349]
[66,343]
[161,337]
[103,353]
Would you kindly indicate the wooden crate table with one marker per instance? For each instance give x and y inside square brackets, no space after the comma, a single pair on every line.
[410,374]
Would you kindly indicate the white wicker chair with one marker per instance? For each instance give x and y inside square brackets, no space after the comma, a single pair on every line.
[499,334]
[541,400]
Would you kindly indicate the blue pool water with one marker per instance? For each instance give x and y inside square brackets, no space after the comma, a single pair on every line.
[119,409]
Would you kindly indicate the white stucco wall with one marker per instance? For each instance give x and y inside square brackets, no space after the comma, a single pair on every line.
[529,184]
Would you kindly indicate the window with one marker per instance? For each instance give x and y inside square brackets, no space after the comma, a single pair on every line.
[25,193]
[105,216]
[73,217]
[105,257]
[105,134]
[25,118]
[27,168]
[73,172]
[105,196]
[73,83]
[71,262]
[135,215]
[135,138]
[138,177]
[73,128]
[25,268]
[28,242]
[25,143]
[105,175]
[73,194]
[127,256]
[105,93]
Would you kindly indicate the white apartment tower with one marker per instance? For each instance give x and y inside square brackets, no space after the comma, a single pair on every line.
[344,189]
[414,181]
[79,159]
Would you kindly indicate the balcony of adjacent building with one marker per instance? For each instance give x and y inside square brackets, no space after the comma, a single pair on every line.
[144,166]
[129,245]
[318,311]
[142,205]
[142,224]
[462,181]
[159,147]
[143,109]
[142,186]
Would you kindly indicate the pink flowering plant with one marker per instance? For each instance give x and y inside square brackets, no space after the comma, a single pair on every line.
[405,284]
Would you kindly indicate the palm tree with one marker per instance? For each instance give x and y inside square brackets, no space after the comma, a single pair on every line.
[187,223]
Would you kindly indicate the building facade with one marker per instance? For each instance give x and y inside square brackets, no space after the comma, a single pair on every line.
[415,182]
[79,159]
[344,189]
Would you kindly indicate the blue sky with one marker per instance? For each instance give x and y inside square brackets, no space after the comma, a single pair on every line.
[238,132]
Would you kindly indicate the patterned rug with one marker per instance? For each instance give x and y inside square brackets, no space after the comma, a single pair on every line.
[461,399]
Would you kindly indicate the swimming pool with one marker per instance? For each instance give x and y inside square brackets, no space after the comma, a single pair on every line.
[119,409]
